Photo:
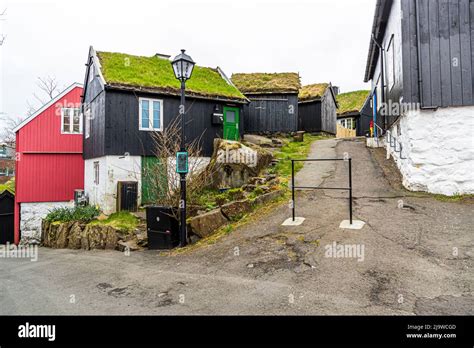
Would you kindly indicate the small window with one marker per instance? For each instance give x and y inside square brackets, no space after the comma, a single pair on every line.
[3,151]
[71,121]
[88,119]
[150,114]
[3,171]
[91,73]
[96,173]
[391,63]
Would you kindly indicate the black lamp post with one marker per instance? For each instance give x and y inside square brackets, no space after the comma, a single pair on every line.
[183,68]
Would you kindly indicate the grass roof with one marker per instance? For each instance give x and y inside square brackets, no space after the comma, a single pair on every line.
[314,91]
[8,186]
[267,83]
[156,73]
[351,101]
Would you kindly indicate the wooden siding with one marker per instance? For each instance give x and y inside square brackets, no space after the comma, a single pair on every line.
[271,113]
[115,129]
[318,115]
[438,52]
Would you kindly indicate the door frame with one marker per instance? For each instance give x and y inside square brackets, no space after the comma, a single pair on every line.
[237,123]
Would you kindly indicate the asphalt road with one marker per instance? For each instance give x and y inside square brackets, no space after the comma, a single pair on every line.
[417,259]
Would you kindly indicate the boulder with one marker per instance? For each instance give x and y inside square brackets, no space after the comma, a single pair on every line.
[75,234]
[233,164]
[206,224]
[299,136]
[62,236]
[257,139]
[130,245]
[236,209]
[268,197]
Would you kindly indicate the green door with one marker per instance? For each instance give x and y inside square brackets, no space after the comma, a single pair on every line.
[154,180]
[231,123]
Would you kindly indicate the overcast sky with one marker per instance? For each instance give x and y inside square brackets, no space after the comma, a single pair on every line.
[323,40]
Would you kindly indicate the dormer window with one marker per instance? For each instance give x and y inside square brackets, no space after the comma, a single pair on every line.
[71,121]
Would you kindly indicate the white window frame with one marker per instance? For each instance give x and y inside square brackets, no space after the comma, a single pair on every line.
[71,123]
[150,113]
[96,168]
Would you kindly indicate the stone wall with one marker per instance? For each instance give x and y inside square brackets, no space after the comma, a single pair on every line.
[437,150]
[31,215]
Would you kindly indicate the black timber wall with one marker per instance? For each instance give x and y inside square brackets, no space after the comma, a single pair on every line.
[271,113]
[309,115]
[318,115]
[438,52]
[115,130]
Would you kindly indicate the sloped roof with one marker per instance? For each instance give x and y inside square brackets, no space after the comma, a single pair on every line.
[313,92]
[267,83]
[46,106]
[156,74]
[351,102]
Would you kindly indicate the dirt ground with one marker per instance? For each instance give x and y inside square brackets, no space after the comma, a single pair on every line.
[415,256]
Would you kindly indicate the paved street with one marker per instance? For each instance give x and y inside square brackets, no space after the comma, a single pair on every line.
[409,263]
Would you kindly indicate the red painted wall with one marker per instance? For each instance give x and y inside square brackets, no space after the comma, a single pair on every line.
[49,164]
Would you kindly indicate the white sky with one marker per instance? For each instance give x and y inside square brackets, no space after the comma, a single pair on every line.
[323,40]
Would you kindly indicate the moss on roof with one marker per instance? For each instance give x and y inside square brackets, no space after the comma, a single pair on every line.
[351,101]
[124,70]
[267,83]
[314,91]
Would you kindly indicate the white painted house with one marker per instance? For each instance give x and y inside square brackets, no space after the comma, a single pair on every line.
[421,66]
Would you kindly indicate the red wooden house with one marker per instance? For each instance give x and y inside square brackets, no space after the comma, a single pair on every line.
[49,164]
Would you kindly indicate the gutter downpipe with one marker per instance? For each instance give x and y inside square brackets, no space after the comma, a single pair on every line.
[420,78]
[382,71]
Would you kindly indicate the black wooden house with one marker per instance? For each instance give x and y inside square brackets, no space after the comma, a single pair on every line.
[317,108]
[355,111]
[127,98]
[273,104]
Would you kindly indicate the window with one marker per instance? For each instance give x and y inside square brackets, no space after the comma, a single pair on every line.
[3,171]
[91,73]
[96,173]
[150,114]
[348,123]
[390,64]
[3,151]
[88,118]
[71,122]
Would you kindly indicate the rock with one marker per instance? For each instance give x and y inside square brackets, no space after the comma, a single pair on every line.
[257,139]
[62,236]
[102,217]
[268,197]
[75,233]
[264,188]
[140,214]
[256,181]
[129,245]
[142,239]
[206,224]
[233,164]
[299,136]
[249,187]
[250,265]
[270,177]
[236,209]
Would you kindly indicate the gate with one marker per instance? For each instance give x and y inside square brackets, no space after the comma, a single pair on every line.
[7,209]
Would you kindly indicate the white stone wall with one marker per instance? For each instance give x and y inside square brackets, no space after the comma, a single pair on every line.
[31,215]
[112,169]
[438,150]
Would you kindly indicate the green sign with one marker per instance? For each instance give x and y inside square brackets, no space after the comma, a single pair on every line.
[182,163]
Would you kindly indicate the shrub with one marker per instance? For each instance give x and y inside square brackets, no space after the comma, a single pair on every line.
[82,214]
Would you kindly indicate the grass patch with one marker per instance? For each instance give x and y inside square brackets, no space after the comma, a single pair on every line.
[123,221]
[351,101]
[265,83]
[8,186]
[156,72]
[81,214]
[314,91]
[293,150]
[457,198]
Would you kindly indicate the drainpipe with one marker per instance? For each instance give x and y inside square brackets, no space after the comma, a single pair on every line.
[382,70]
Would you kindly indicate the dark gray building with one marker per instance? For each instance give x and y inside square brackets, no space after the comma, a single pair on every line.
[317,108]
[273,104]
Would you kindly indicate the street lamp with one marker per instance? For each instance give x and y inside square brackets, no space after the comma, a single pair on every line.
[183,68]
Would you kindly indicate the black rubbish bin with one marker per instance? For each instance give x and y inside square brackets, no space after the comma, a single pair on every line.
[162,228]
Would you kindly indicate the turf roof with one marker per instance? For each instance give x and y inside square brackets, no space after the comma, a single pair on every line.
[351,102]
[156,74]
[313,92]
[266,83]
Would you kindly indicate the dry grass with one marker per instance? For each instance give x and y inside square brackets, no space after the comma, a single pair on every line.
[314,91]
[267,83]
